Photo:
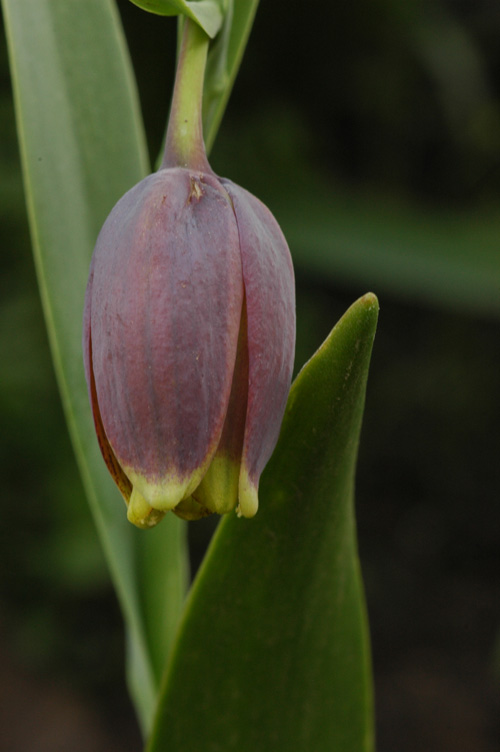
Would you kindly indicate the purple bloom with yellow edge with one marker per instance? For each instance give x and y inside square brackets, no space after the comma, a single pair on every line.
[189,333]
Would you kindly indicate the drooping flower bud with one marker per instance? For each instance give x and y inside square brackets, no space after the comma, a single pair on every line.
[189,334]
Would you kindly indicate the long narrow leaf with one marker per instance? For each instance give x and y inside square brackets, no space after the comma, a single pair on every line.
[82,147]
[273,653]
[223,64]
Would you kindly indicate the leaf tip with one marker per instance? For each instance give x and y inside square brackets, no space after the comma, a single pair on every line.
[370,302]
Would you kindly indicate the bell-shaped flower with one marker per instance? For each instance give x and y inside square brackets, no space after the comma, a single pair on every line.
[189,333]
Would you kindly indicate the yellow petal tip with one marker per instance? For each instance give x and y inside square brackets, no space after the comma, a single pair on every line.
[140,513]
[218,491]
[150,501]
[248,496]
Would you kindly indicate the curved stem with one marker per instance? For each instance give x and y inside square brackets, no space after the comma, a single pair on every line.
[184,146]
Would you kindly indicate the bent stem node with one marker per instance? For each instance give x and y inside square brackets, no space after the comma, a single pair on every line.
[184,145]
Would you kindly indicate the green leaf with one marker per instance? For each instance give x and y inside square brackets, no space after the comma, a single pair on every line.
[223,63]
[82,147]
[207,13]
[273,653]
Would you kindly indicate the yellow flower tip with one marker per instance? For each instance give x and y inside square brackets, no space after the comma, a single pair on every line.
[140,513]
[162,495]
[188,509]
[149,502]
[218,491]
[248,496]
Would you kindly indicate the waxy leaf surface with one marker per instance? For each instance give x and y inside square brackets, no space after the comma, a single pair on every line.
[82,147]
[223,63]
[273,653]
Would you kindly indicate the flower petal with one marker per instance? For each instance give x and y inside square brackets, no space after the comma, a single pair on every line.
[121,480]
[218,490]
[270,295]
[165,313]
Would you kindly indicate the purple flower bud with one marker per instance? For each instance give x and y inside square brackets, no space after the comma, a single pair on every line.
[189,335]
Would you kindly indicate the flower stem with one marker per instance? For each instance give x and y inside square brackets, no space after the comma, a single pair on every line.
[184,145]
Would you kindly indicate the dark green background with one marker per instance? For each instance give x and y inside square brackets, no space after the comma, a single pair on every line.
[377,97]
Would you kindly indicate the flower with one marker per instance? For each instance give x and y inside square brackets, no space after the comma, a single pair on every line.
[189,333]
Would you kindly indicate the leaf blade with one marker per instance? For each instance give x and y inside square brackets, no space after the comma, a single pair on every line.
[223,64]
[82,146]
[273,651]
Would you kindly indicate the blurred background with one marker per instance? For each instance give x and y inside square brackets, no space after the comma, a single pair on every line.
[372,130]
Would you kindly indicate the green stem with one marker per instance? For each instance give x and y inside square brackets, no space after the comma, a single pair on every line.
[184,145]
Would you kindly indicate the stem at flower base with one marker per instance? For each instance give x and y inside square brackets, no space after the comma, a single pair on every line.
[184,145]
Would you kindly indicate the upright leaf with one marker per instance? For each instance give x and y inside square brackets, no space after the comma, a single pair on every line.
[274,653]
[82,147]
[223,63]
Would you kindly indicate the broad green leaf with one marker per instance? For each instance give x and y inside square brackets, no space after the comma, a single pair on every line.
[82,146]
[273,653]
[224,60]
[207,13]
